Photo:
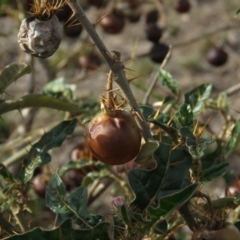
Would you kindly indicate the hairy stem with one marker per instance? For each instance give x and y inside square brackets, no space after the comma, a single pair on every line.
[115,65]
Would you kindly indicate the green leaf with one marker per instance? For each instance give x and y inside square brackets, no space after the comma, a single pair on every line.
[196,97]
[38,154]
[170,203]
[73,206]
[11,73]
[214,172]
[170,173]
[147,111]
[58,88]
[146,151]
[38,100]
[65,232]
[196,146]
[55,192]
[237,12]
[185,115]
[169,81]
[234,140]
[80,164]
[5,173]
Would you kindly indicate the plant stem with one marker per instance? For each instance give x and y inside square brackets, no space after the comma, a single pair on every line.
[115,65]
[188,217]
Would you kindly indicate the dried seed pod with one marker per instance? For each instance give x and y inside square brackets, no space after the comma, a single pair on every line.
[40,34]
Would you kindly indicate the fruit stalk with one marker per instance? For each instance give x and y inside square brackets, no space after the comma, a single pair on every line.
[115,65]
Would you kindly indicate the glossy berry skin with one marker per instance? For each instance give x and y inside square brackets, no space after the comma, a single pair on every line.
[153,32]
[158,52]
[112,23]
[114,139]
[182,6]
[228,232]
[217,56]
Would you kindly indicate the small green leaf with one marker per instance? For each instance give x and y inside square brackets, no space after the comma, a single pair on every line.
[55,192]
[11,73]
[214,172]
[185,115]
[197,97]
[237,12]
[195,145]
[147,111]
[58,88]
[5,173]
[38,100]
[169,81]
[234,140]
[38,154]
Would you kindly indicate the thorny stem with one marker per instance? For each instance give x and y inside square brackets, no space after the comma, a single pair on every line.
[188,217]
[115,65]
[110,103]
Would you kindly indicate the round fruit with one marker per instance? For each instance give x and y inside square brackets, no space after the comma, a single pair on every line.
[217,56]
[229,232]
[114,139]
[112,23]
[40,182]
[89,61]
[182,6]
[152,16]
[153,32]
[158,52]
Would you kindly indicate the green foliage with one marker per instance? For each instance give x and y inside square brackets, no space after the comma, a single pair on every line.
[197,97]
[169,163]
[11,73]
[39,155]
[234,140]
[169,82]
[73,206]
[64,232]
[38,100]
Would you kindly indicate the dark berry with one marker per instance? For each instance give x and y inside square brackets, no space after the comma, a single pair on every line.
[89,61]
[152,16]
[217,56]
[182,6]
[158,52]
[64,13]
[73,30]
[153,32]
[112,23]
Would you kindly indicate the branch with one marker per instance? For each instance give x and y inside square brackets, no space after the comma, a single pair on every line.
[115,65]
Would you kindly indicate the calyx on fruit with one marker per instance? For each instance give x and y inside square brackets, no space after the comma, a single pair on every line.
[40,34]
[113,135]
